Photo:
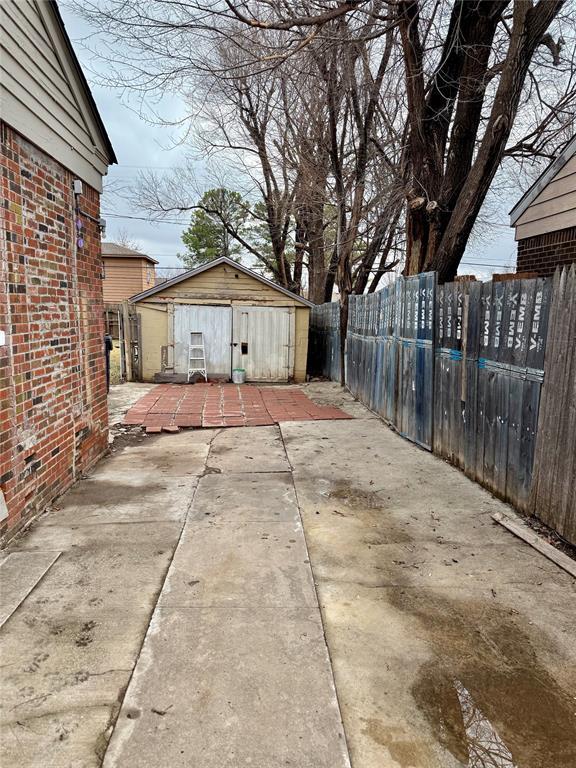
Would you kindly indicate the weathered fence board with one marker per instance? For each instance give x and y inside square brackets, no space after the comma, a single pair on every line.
[458,369]
[553,496]
[390,354]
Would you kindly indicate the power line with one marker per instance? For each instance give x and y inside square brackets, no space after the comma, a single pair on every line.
[172,221]
[143,218]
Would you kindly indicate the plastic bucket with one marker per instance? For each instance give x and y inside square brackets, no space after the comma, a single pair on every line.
[238,376]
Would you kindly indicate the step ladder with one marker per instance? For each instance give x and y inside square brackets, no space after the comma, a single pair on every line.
[196,356]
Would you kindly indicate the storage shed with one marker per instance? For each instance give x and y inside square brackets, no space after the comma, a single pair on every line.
[246,322]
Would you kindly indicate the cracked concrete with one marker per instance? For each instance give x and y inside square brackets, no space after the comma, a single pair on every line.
[68,651]
[452,642]
[214,585]
[238,620]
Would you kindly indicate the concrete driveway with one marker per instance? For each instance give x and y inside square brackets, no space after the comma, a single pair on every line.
[309,594]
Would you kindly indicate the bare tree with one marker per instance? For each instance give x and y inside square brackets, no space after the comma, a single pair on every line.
[461,115]
[125,239]
[423,102]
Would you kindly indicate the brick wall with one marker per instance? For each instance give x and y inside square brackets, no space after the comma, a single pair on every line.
[53,412]
[543,253]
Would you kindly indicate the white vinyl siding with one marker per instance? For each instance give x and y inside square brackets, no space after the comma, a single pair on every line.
[40,94]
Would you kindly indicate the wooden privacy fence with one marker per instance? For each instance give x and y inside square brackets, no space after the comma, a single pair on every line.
[553,496]
[389,356]
[459,369]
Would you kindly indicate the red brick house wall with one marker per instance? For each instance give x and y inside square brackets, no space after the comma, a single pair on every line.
[53,408]
[543,253]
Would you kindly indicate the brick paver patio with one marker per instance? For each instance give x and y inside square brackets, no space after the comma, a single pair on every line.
[171,406]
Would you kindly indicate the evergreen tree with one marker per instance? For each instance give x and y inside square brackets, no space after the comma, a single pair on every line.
[219,217]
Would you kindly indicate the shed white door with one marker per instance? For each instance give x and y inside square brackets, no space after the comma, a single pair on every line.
[215,323]
[263,342]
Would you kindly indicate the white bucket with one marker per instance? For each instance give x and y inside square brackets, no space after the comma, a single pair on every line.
[238,376]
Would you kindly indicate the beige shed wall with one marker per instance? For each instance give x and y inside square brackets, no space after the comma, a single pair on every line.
[154,334]
[220,285]
[301,346]
[554,208]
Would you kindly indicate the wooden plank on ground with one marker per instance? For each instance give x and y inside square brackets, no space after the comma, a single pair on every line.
[535,541]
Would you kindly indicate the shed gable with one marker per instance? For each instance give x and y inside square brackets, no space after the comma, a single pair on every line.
[223,282]
[41,94]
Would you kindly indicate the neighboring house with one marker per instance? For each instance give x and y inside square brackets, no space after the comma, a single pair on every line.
[246,321]
[126,272]
[54,151]
[545,217]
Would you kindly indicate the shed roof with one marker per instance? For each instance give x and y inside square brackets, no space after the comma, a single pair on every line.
[115,251]
[216,263]
[543,180]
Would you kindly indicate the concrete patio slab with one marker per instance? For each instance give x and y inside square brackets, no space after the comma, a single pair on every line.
[262,564]
[69,649]
[259,693]
[108,498]
[254,450]
[249,497]
[70,739]
[238,619]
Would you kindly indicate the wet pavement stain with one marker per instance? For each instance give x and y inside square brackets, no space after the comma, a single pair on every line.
[485,747]
[487,698]
[106,493]
[403,750]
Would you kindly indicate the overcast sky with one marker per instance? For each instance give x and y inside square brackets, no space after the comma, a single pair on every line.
[141,146]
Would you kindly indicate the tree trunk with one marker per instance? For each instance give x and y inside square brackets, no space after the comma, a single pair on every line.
[331,275]
[417,226]
[439,225]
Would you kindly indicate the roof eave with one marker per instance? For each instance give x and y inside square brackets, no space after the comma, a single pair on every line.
[126,256]
[543,180]
[104,134]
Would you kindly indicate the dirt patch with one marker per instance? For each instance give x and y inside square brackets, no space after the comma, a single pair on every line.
[486,696]
[367,507]
[355,498]
[125,437]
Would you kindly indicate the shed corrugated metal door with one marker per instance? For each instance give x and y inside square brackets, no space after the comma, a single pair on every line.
[215,323]
[262,342]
